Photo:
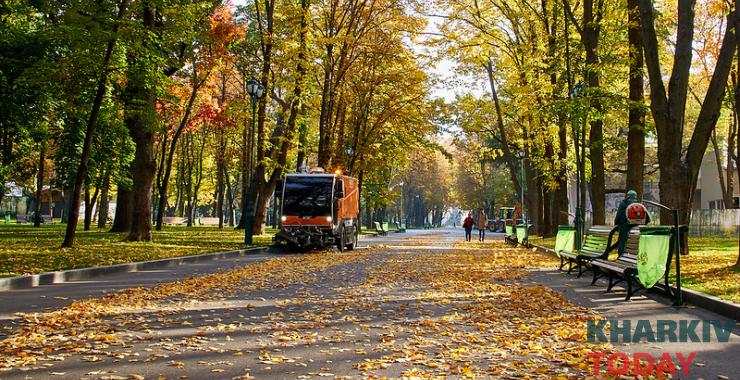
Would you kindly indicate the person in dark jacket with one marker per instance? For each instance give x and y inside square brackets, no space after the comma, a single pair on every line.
[622,222]
[468,226]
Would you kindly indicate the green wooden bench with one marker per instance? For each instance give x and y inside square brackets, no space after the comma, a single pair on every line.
[509,234]
[174,220]
[647,257]
[379,229]
[595,245]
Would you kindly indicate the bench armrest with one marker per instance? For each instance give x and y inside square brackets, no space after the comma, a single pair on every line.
[609,245]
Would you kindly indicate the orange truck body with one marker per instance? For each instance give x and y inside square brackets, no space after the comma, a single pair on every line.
[319,210]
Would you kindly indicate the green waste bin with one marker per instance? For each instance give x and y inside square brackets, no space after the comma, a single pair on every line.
[522,230]
[653,253]
[7,217]
[565,239]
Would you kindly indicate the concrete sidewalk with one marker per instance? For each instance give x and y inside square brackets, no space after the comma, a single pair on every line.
[714,360]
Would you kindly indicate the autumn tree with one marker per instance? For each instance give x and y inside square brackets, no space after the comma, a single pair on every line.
[679,166]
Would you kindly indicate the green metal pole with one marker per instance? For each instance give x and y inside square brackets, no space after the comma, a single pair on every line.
[521,163]
[677,246]
[249,221]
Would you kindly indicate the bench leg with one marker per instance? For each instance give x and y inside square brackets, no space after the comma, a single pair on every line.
[633,286]
[611,282]
[562,263]
[581,268]
[596,275]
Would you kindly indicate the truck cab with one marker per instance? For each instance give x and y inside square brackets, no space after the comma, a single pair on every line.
[319,209]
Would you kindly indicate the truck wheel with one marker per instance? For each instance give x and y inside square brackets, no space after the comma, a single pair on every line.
[352,245]
[342,240]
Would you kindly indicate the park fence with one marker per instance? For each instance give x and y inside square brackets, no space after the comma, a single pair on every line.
[703,222]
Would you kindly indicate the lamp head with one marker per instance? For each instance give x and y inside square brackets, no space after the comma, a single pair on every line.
[252,87]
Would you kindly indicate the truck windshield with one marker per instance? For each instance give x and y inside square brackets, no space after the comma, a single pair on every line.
[308,196]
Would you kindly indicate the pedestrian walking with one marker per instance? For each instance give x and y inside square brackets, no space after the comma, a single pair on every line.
[481,224]
[468,226]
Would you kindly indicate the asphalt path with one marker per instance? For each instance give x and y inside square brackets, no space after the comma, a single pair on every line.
[331,321]
[51,296]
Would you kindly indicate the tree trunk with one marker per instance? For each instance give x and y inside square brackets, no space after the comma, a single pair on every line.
[282,138]
[229,197]
[678,173]
[40,185]
[74,211]
[562,191]
[88,209]
[736,82]
[144,169]
[636,131]
[140,119]
[103,207]
[532,200]
[725,184]
[220,179]
[197,83]
[590,37]
[90,206]
[508,156]
[245,175]
[124,210]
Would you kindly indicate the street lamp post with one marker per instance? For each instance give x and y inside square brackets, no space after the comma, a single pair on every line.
[417,207]
[580,150]
[255,90]
[348,153]
[400,208]
[521,164]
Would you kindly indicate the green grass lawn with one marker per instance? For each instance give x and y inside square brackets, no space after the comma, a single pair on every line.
[27,250]
[708,268]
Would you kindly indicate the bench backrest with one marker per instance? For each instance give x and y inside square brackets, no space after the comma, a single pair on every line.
[378,227]
[174,220]
[509,230]
[21,218]
[47,219]
[595,242]
[522,231]
[632,248]
[209,221]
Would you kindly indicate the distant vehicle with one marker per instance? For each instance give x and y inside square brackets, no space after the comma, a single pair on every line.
[505,213]
[318,210]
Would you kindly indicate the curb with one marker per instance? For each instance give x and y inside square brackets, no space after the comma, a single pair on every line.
[696,298]
[59,277]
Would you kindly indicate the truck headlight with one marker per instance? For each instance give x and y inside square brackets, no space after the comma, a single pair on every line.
[329,219]
[283,218]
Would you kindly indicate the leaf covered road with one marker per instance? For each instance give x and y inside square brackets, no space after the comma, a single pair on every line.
[422,308]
